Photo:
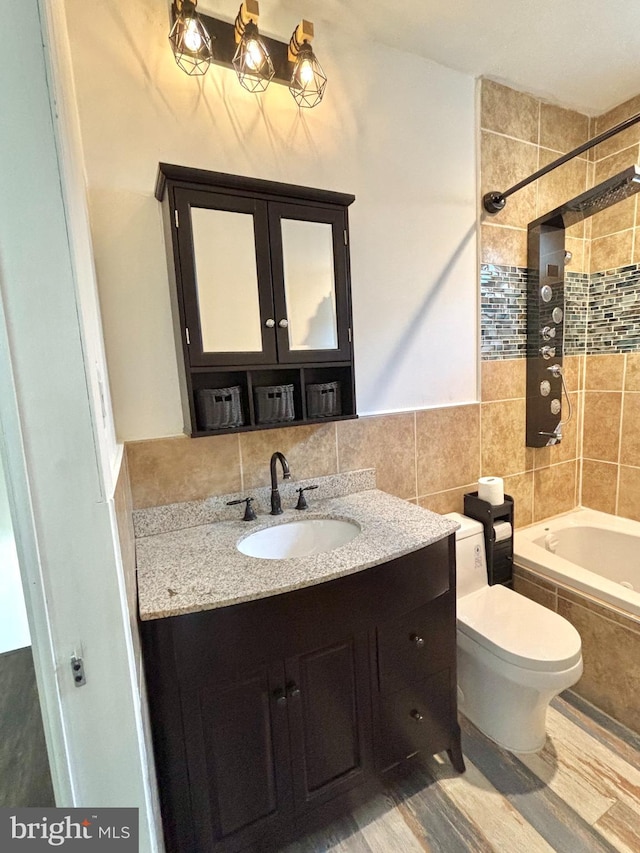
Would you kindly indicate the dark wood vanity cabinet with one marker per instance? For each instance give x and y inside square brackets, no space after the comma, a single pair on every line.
[261,296]
[273,715]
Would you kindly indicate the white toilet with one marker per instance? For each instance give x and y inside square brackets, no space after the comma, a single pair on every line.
[514,655]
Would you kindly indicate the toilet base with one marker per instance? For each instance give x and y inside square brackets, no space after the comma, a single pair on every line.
[509,712]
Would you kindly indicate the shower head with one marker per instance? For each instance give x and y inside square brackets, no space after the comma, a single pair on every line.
[615,189]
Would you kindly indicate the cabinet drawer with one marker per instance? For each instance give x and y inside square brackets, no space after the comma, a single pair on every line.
[416,644]
[414,719]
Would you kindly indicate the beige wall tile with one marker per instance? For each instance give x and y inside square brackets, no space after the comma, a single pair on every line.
[503,439]
[609,119]
[576,246]
[503,379]
[520,487]
[599,485]
[601,425]
[562,129]
[561,184]
[615,163]
[507,111]
[506,246]
[505,162]
[310,452]
[604,372]
[554,490]
[386,443]
[542,596]
[170,470]
[630,431]
[629,493]
[616,218]
[448,448]
[610,252]
[449,501]
[611,657]
[572,366]
[632,377]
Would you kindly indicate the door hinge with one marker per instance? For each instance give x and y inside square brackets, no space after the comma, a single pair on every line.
[186,334]
[177,218]
[346,241]
[77,670]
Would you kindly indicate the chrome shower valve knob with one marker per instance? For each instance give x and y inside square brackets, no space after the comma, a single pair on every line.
[548,332]
[548,352]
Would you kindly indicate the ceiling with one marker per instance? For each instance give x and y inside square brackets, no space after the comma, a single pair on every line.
[583,54]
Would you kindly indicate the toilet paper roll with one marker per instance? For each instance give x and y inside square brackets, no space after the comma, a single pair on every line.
[501,531]
[491,489]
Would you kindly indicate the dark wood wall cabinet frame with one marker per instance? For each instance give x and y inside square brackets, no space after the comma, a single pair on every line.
[273,716]
[275,363]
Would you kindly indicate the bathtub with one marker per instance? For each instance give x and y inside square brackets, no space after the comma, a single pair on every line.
[592,552]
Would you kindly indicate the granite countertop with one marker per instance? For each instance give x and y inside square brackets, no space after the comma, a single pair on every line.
[199,568]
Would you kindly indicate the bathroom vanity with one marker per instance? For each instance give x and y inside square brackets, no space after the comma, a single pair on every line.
[273,713]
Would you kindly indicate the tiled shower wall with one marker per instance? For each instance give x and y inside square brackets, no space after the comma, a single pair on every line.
[602,330]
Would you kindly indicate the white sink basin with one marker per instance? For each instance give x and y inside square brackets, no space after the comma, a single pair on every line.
[299,538]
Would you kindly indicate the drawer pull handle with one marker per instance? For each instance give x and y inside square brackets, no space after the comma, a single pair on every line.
[416,715]
[280,696]
[417,640]
[292,690]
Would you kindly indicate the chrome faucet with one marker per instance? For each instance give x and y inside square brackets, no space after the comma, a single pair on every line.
[276,507]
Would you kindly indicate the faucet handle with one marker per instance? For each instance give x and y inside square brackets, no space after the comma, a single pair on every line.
[249,511]
[302,501]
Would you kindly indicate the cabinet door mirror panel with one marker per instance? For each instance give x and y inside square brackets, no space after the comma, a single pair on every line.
[226,280]
[309,284]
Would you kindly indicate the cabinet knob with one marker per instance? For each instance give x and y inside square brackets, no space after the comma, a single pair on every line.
[417,640]
[280,696]
[292,690]
[416,715]
[270,323]
[283,324]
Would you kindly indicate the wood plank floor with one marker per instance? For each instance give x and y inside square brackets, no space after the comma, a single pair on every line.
[24,765]
[580,794]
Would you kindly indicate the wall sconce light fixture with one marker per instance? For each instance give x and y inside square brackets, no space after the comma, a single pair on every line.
[308,80]
[251,60]
[256,59]
[190,39]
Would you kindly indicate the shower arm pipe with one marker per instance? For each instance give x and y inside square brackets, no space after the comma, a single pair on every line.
[494,201]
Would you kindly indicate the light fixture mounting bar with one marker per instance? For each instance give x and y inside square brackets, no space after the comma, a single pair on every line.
[225,48]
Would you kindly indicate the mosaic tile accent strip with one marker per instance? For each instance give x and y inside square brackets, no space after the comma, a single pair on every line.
[614,310]
[602,311]
[576,303]
[503,306]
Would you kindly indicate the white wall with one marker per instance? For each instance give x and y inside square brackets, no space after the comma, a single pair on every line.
[14,628]
[395,130]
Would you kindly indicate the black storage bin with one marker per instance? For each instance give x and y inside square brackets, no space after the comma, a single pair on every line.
[499,554]
[219,408]
[323,400]
[274,404]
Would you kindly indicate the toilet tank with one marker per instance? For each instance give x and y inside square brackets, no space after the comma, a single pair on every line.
[471,562]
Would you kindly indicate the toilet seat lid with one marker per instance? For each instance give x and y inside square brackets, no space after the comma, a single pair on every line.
[518,630]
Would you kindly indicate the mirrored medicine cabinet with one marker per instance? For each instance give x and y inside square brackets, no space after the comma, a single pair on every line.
[260,285]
